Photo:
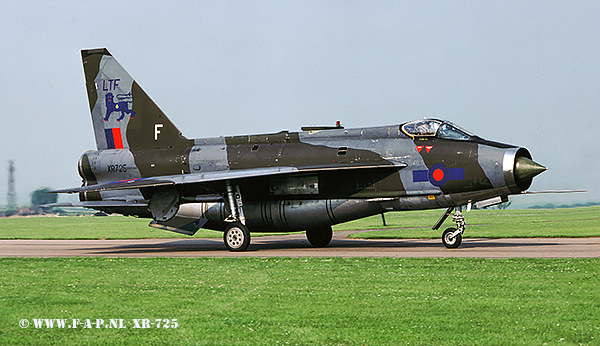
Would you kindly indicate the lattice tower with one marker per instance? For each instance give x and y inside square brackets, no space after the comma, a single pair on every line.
[11,196]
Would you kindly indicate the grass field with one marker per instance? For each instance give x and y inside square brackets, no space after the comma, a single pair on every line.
[330,301]
[87,227]
[576,222]
[323,301]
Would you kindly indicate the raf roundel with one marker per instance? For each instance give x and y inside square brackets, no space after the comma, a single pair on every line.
[438,175]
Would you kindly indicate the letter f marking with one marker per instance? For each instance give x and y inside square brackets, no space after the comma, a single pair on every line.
[157,128]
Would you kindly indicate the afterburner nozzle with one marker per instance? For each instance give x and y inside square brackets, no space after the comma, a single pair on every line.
[526,169]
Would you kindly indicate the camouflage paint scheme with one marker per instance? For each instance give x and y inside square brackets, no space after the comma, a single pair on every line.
[285,181]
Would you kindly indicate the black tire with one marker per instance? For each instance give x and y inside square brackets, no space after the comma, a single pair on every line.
[236,237]
[449,242]
[319,237]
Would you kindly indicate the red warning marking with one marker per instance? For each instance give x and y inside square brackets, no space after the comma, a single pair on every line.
[438,175]
[419,148]
[428,148]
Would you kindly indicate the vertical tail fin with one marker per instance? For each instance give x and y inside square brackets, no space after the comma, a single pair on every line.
[123,115]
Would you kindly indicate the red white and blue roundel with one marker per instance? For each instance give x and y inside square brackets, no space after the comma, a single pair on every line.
[438,175]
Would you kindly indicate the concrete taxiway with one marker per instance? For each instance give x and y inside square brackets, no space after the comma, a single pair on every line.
[296,245]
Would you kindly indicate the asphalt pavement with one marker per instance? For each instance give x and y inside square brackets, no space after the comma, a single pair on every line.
[296,245]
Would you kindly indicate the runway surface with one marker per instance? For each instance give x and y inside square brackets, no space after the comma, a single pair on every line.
[297,246]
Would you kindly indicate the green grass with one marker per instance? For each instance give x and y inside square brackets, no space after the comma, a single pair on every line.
[332,301]
[576,222]
[86,227]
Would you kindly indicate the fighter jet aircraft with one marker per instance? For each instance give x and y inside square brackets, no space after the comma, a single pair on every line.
[285,181]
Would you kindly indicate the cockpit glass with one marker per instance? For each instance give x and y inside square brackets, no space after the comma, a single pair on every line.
[433,127]
[448,131]
[421,128]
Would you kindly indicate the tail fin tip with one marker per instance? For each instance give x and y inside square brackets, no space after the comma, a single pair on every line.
[87,52]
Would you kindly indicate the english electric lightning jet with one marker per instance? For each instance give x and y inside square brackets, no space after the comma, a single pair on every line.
[285,181]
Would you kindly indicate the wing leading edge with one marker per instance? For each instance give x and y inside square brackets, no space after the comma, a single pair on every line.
[199,178]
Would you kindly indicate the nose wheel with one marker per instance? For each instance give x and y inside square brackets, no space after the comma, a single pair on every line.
[452,237]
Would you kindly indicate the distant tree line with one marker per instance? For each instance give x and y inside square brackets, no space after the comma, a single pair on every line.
[560,206]
[505,205]
[42,196]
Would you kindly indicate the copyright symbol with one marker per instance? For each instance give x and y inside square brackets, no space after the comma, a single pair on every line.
[23,323]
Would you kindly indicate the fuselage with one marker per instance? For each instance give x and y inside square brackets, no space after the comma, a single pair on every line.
[413,172]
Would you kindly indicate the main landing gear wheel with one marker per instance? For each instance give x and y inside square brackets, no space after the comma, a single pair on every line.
[236,237]
[319,237]
[451,238]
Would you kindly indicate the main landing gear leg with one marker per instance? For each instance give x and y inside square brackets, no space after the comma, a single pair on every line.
[236,235]
[452,237]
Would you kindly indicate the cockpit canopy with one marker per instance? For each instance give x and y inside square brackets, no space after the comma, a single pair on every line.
[435,128]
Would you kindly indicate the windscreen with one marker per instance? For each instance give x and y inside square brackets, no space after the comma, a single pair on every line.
[448,131]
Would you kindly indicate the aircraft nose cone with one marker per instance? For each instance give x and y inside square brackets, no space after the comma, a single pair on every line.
[526,169]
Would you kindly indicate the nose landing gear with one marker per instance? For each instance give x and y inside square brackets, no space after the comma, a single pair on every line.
[452,237]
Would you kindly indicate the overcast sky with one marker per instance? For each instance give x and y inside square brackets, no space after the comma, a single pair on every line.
[519,72]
